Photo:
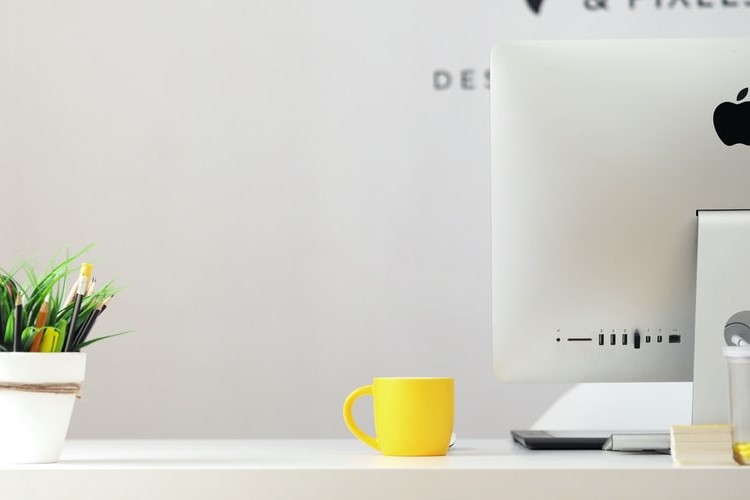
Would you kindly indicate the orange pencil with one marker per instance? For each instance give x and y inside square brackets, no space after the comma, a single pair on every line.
[41,321]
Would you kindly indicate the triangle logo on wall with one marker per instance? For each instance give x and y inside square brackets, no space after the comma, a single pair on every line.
[535,5]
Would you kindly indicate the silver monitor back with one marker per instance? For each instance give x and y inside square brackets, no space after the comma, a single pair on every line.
[602,151]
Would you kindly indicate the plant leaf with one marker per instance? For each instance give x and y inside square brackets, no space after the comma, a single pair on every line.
[742,94]
[89,342]
[9,331]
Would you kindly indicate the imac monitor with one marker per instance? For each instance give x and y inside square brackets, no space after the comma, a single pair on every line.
[602,151]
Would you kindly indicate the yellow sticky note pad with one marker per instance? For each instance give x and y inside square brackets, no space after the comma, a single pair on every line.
[50,340]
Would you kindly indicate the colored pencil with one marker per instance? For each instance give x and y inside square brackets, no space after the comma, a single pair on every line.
[17,324]
[41,322]
[83,333]
[83,284]
[91,287]
[72,293]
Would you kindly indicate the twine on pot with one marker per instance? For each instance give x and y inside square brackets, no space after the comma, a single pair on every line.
[47,388]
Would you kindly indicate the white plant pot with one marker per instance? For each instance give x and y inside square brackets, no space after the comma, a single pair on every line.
[33,423]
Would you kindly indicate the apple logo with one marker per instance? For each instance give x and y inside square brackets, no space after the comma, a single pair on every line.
[732,121]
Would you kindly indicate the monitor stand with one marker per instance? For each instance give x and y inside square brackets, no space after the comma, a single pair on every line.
[722,317]
[722,307]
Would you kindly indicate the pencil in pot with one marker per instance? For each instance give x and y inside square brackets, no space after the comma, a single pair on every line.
[83,284]
[17,324]
[41,321]
[84,331]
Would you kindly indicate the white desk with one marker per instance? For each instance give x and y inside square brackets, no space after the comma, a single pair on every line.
[347,469]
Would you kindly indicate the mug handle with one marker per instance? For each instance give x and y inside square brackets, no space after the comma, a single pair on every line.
[349,419]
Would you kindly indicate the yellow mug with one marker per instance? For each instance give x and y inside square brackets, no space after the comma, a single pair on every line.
[413,416]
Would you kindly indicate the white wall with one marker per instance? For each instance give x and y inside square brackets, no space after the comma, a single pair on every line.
[290,204]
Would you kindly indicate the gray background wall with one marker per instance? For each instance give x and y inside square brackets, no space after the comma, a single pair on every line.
[289,202]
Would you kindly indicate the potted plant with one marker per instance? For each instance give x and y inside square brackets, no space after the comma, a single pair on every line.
[45,321]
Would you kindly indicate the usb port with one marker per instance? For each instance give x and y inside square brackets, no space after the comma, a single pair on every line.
[658,338]
[601,339]
[624,339]
[674,339]
[637,340]
[612,339]
[648,339]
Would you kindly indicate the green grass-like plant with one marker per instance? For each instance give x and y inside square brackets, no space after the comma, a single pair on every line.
[54,286]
